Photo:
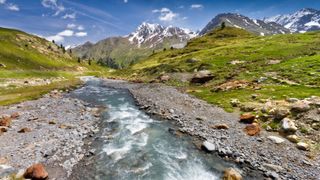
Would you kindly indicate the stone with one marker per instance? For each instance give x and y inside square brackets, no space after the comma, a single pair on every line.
[3,129]
[254,96]
[252,129]
[231,174]
[202,77]
[292,100]
[247,118]
[235,102]
[300,106]
[279,113]
[52,122]
[220,126]
[36,172]
[5,121]
[288,126]
[15,115]
[293,138]
[164,78]
[208,146]
[24,130]
[303,146]
[2,65]
[191,60]
[275,139]
[273,167]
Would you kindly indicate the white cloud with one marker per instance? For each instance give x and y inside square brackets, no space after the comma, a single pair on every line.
[166,14]
[71,26]
[125,1]
[81,34]
[66,33]
[54,5]
[69,16]
[56,38]
[196,6]
[13,7]
[2,1]
[80,28]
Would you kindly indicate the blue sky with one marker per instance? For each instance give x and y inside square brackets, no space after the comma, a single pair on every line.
[73,22]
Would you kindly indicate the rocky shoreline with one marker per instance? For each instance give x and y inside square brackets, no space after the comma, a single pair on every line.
[50,131]
[223,134]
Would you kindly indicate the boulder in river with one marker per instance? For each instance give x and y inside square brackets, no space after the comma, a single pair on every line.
[202,77]
[37,172]
[231,174]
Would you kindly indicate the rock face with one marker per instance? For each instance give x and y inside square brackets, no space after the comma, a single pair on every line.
[202,77]
[288,126]
[252,129]
[36,172]
[275,139]
[208,146]
[231,174]
[247,118]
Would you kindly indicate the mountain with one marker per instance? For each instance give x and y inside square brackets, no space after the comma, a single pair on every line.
[304,20]
[119,52]
[243,22]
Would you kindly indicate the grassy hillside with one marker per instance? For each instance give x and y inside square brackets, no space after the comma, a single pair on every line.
[24,57]
[288,65]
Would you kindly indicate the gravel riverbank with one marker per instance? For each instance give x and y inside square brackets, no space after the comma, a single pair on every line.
[50,130]
[196,117]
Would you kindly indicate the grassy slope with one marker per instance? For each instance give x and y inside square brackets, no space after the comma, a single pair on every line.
[299,55]
[28,56]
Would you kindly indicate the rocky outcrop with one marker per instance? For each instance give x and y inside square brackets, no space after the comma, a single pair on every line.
[202,77]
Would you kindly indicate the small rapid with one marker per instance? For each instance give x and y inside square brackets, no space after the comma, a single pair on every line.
[131,145]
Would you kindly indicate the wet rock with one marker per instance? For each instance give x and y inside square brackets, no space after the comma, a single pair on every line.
[231,174]
[303,146]
[288,126]
[247,118]
[252,129]
[36,172]
[293,138]
[5,121]
[275,139]
[220,126]
[24,130]
[208,146]
[300,106]
[202,77]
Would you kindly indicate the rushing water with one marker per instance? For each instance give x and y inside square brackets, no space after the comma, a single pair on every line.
[131,145]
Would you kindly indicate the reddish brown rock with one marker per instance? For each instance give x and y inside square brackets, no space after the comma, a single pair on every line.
[5,121]
[247,118]
[24,130]
[15,115]
[252,129]
[36,172]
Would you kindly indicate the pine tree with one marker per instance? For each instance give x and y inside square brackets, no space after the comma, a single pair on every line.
[223,25]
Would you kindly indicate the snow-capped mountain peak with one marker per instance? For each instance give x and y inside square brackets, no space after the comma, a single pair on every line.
[306,19]
[153,34]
